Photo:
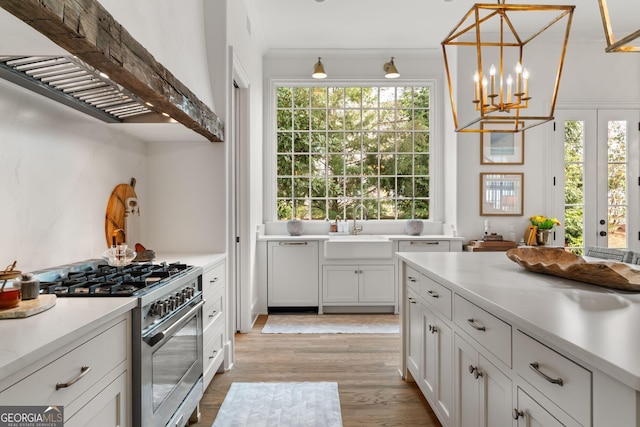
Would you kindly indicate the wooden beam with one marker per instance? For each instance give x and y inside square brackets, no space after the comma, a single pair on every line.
[85,29]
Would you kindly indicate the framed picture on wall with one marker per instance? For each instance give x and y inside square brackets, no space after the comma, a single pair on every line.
[505,148]
[501,193]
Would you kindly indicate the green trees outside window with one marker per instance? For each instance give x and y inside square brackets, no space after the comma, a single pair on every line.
[341,146]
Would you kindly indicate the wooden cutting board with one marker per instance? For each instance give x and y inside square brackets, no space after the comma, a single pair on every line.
[29,307]
[116,207]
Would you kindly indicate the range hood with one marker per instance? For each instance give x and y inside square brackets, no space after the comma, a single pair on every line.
[64,59]
[72,82]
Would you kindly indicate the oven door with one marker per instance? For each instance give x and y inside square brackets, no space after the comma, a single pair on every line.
[171,365]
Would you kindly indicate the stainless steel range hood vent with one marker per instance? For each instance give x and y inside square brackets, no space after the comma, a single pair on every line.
[72,82]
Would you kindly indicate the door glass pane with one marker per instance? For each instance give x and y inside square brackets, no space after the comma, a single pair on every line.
[574,184]
[617,184]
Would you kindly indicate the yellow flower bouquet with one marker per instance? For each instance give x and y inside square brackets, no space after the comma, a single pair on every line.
[544,223]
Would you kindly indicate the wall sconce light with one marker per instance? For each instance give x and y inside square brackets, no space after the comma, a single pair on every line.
[318,70]
[390,70]
[622,45]
[510,97]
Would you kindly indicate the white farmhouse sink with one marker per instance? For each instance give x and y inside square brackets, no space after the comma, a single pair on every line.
[360,246]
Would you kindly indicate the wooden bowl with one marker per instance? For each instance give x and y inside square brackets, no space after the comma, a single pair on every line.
[561,263]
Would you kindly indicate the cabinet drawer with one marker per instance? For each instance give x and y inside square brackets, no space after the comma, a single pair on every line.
[412,279]
[212,280]
[424,246]
[212,307]
[488,330]
[563,381]
[214,342]
[436,295]
[101,354]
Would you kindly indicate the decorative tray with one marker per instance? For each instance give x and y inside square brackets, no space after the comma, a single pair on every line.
[558,262]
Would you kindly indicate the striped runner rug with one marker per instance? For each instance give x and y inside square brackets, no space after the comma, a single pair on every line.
[280,404]
[332,324]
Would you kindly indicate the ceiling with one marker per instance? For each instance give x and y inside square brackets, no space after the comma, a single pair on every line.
[403,24]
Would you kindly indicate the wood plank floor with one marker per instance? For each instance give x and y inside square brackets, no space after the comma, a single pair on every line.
[365,366]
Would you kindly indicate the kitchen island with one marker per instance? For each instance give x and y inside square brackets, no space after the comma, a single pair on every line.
[538,346]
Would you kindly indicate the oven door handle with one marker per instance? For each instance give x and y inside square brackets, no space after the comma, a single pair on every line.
[156,338]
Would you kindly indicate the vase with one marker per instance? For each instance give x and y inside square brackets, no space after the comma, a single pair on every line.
[542,237]
[295,227]
[414,227]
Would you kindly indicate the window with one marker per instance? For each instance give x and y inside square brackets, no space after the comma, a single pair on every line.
[341,146]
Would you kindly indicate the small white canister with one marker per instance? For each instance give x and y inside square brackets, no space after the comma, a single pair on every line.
[30,287]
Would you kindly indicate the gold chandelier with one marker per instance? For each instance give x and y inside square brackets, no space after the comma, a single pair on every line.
[497,34]
[622,45]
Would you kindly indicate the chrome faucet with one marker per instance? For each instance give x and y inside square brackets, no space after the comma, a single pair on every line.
[365,216]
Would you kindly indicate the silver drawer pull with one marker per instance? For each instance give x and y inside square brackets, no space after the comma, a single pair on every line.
[293,243]
[475,326]
[213,313]
[536,368]
[214,280]
[424,243]
[83,371]
[433,294]
[213,355]
[412,301]
[411,279]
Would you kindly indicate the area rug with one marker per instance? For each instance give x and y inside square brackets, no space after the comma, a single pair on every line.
[312,404]
[332,324]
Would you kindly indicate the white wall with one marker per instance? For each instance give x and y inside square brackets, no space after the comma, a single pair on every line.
[590,76]
[58,168]
[186,192]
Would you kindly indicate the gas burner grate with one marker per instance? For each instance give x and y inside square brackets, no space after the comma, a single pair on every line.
[108,281]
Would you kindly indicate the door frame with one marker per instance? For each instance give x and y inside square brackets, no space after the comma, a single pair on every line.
[238,199]
[598,111]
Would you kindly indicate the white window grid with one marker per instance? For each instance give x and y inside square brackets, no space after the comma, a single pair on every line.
[379,205]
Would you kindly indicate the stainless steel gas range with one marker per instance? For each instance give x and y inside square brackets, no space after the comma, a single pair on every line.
[167,330]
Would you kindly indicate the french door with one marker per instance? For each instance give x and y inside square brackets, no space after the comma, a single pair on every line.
[597,178]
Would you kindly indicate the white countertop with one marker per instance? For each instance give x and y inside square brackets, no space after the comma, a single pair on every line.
[594,324]
[286,237]
[204,260]
[29,339]
[26,340]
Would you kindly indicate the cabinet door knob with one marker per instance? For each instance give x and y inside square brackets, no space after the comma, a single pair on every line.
[517,414]
[475,371]
[475,326]
[535,367]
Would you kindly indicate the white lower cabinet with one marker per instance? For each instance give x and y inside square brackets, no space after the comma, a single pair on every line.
[560,382]
[95,371]
[358,284]
[292,274]
[414,334]
[213,320]
[530,413]
[436,379]
[483,393]
[430,356]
